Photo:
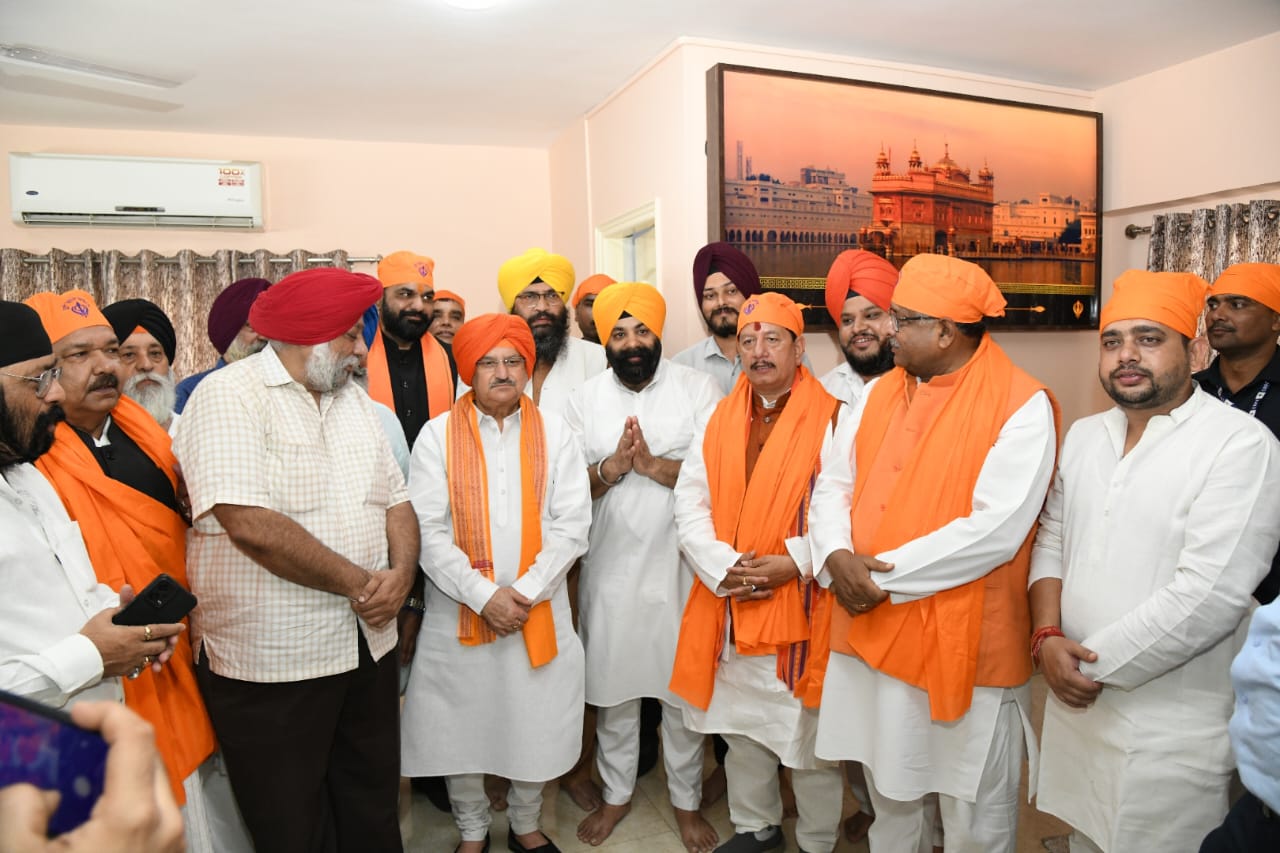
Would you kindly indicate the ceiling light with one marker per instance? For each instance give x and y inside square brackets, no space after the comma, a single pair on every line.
[34,58]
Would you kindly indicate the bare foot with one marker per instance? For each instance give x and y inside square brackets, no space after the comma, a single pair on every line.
[583,790]
[597,826]
[857,826]
[532,840]
[788,795]
[495,788]
[713,787]
[698,835]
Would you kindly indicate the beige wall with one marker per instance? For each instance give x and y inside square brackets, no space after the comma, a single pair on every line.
[469,207]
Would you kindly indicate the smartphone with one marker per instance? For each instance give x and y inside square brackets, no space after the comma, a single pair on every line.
[43,747]
[162,602]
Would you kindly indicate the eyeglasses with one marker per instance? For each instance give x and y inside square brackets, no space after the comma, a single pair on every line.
[896,322]
[43,382]
[511,362]
[530,298]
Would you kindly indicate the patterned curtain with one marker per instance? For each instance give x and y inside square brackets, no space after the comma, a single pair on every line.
[1209,240]
[183,285]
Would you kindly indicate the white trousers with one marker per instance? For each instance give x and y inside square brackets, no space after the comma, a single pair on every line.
[1080,843]
[618,754]
[211,819]
[755,801]
[471,805]
[989,825]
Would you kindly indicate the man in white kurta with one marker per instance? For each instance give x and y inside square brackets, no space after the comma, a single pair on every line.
[1163,519]
[760,439]
[636,422]
[972,762]
[483,708]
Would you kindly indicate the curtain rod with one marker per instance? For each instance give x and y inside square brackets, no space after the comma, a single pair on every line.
[243,259]
[1131,231]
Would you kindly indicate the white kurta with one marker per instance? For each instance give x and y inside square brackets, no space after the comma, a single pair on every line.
[578,362]
[748,698]
[1159,551]
[634,581]
[483,709]
[844,384]
[50,592]
[876,719]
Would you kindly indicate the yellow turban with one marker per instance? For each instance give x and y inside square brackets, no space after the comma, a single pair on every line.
[519,272]
[589,285]
[1173,299]
[64,313]
[772,307]
[1259,282]
[640,300]
[942,286]
[400,268]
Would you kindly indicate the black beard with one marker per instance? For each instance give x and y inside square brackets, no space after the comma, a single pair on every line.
[630,374]
[548,341]
[873,365]
[723,325]
[14,450]
[405,326]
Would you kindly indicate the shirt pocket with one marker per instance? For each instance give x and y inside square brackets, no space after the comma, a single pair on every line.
[298,476]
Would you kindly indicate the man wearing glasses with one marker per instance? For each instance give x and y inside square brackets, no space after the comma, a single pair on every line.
[534,287]
[497,680]
[923,529]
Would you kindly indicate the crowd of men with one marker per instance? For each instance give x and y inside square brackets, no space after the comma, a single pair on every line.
[492,554]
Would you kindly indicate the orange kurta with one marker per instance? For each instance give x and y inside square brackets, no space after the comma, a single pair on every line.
[919,451]
[131,538]
[435,366]
[757,515]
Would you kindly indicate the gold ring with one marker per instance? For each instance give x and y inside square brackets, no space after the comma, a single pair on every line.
[146,634]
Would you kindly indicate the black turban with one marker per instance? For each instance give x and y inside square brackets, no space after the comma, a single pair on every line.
[24,336]
[129,314]
[721,257]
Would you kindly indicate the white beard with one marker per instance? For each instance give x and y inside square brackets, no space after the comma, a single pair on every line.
[238,350]
[156,396]
[326,372]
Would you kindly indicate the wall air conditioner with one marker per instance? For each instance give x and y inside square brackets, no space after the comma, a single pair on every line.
[74,189]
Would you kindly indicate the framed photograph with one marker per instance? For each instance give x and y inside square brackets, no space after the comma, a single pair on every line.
[803,167]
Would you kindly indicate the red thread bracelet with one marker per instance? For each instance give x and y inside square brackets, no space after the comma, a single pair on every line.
[1038,638]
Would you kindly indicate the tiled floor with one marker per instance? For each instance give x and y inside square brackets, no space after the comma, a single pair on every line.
[651,826]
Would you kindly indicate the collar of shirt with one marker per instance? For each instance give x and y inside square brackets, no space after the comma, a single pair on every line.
[1212,375]
[1117,424]
[711,349]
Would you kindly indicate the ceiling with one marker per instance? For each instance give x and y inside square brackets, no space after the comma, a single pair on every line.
[422,71]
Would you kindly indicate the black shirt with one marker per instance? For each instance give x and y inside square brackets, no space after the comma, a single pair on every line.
[1261,398]
[409,384]
[124,461]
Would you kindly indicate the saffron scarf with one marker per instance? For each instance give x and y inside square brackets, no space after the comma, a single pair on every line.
[469,503]
[131,538]
[757,516]
[435,366]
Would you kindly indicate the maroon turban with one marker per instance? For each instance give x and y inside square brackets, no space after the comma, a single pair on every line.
[480,335]
[721,257]
[314,306]
[230,311]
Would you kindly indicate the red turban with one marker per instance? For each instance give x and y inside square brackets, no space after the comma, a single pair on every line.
[1173,299]
[862,272]
[942,286]
[314,306]
[772,307]
[721,257]
[479,335]
[230,311]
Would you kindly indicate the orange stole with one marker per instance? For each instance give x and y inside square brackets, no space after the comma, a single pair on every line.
[918,460]
[130,539]
[757,516]
[435,366]
[469,502]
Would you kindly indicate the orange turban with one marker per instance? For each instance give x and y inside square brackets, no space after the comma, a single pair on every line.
[1173,299]
[1259,282]
[64,313]
[519,272]
[942,286]
[480,335]
[450,296]
[313,306]
[406,268]
[863,272]
[640,300]
[772,307]
[591,284]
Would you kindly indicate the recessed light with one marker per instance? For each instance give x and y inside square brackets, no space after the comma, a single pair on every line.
[473,5]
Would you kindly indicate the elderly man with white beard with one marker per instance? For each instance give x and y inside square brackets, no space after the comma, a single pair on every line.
[148,346]
[303,550]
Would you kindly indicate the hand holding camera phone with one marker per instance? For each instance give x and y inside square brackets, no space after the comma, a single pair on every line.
[161,602]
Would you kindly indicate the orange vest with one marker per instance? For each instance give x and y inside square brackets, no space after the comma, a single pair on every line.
[918,454]
[435,366]
[131,538]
